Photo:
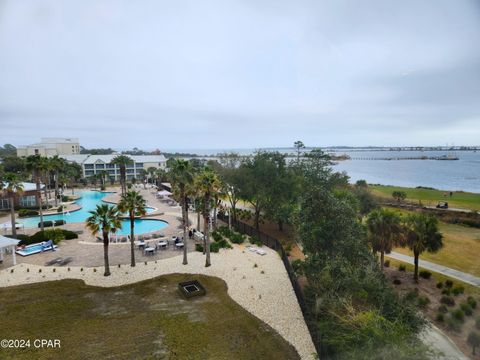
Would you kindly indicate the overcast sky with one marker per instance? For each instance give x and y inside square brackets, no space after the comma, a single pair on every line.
[239,74]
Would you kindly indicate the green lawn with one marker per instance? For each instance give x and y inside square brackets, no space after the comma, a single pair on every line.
[459,199]
[147,320]
[461,248]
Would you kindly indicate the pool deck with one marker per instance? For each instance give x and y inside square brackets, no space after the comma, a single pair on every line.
[87,251]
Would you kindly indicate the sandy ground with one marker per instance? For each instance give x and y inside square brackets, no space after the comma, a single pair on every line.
[260,284]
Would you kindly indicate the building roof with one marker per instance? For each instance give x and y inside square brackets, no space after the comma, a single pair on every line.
[78,158]
[92,159]
[60,140]
[27,186]
[6,242]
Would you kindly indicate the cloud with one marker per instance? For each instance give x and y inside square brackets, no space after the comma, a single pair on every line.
[244,73]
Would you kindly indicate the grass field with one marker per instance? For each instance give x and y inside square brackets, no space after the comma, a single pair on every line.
[459,199]
[147,320]
[461,248]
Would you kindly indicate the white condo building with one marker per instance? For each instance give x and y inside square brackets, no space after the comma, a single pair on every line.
[95,164]
[51,147]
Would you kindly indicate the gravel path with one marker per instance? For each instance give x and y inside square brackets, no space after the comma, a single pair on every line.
[260,284]
[459,275]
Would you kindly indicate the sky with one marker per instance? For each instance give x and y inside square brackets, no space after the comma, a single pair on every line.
[217,74]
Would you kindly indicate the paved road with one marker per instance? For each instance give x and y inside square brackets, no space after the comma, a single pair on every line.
[465,277]
[441,343]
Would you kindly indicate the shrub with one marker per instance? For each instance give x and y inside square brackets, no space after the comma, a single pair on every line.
[397,281]
[458,314]
[439,285]
[473,340]
[425,274]
[466,308]
[225,231]
[45,224]
[411,295]
[477,322]
[223,244]
[423,301]
[446,291]
[216,236]
[402,267]
[297,266]
[255,240]
[440,317]
[443,309]
[214,247]
[472,302]
[448,283]
[386,263]
[50,234]
[199,247]
[65,198]
[237,238]
[60,208]
[454,324]
[457,290]
[27,212]
[59,222]
[447,300]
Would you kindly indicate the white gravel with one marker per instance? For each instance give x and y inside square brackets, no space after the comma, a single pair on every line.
[263,290]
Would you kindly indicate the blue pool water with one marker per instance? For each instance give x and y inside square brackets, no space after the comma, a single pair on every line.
[88,201]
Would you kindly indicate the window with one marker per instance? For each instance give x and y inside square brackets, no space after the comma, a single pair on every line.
[28,201]
[88,166]
[139,165]
[4,204]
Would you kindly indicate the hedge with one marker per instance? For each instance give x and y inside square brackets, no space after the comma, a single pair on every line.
[27,212]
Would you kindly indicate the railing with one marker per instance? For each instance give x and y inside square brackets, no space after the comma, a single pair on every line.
[274,244]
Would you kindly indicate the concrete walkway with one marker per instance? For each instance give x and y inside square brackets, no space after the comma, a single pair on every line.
[441,343]
[455,274]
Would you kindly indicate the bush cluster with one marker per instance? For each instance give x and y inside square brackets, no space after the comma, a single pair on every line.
[423,301]
[56,235]
[402,267]
[457,290]
[466,308]
[255,240]
[425,274]
[447,300]
[472,302]
[27,212]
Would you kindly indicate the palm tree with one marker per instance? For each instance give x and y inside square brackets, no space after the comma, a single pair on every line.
[181,176]
[384,231]
[102,175]
[422,235]
[152,174]
[56,164]
[208,185]
[133,203]
[143,175]
[34,164]
[11,185]
[104,218]
[45,173]
[122,161]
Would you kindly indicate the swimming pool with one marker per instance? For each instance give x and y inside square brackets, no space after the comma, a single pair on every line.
[88,201]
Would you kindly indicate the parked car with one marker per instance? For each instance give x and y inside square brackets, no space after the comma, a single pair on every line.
[442,205]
